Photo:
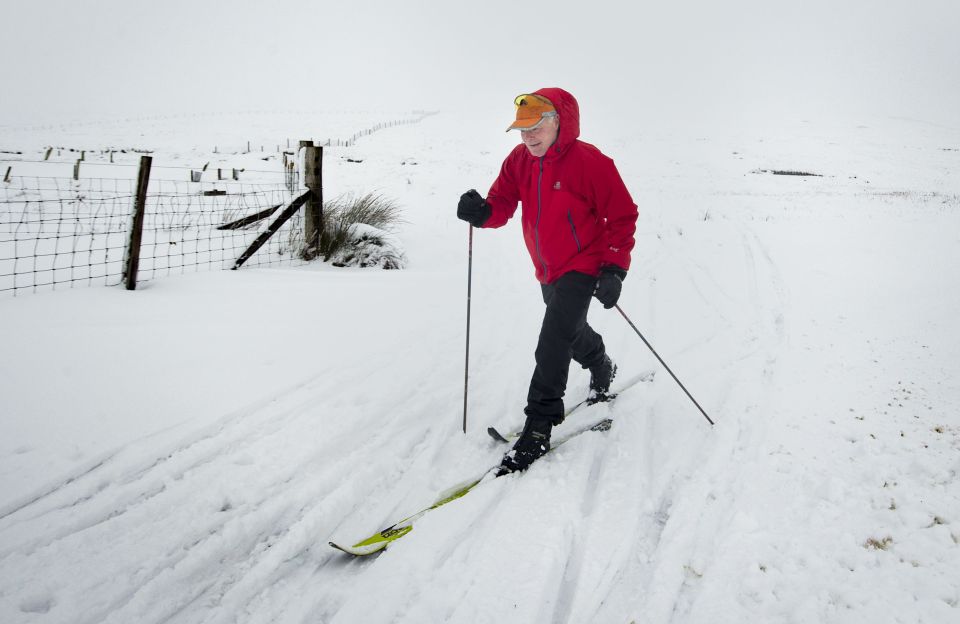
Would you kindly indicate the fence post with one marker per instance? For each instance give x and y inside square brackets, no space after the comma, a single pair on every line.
[6,178]
[136,230]
[313,212]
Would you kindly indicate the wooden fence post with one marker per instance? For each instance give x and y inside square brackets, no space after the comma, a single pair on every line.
[76,170]
[136,230]
[313,213]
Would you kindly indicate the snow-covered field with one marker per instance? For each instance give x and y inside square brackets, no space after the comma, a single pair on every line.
[184,452]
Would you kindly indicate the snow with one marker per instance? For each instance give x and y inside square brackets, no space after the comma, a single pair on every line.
[185,451]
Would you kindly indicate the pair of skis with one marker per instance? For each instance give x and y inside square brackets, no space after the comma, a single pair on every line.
[511,437]
[381,539]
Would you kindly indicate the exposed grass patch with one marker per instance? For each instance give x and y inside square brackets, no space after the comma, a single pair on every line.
[789,172]
[356,232]
[881,544]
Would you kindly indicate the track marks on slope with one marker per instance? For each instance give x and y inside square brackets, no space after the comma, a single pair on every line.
[270,488]
[573,569]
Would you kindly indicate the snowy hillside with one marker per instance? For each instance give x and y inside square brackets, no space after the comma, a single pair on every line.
[184,452]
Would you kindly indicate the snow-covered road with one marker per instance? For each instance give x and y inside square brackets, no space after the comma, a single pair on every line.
[812,317]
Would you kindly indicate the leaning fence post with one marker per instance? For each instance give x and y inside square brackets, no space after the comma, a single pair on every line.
[313,213]
[136,230]
[6,178]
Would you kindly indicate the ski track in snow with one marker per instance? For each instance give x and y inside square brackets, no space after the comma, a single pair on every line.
[661,519]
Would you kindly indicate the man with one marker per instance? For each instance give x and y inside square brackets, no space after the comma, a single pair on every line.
[578,223]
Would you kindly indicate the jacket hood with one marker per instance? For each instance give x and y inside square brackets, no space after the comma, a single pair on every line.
[569,112]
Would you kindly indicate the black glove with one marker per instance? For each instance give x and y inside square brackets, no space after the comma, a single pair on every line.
[608,286]
[473,208]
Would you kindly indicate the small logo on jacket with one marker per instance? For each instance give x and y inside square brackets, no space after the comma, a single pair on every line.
[556,185]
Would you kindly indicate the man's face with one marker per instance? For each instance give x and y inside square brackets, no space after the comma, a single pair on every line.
[539,140]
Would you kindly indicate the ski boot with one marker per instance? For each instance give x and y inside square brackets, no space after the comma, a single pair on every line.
[533,443]
[601,376]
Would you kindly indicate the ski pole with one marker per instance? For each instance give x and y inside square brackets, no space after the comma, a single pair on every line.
[652,350]
[466,365]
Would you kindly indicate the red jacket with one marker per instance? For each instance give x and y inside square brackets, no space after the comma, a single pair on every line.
[577,214]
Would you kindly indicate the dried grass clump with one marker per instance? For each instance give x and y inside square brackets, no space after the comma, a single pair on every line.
[356,232]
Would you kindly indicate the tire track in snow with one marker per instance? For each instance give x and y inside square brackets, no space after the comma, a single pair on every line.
[304,528]
[307,535]
[116,472]
[328,572]
[574,564]
[637,501]
[678,563]
[201,470]
[673,486]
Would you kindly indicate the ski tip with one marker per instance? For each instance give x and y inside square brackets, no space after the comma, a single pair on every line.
[358,550]
[496,435]
[339,547]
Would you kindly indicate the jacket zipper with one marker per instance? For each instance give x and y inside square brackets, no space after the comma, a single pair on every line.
[573,229]
[536,228]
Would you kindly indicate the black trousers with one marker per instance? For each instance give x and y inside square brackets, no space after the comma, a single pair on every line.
[564,335]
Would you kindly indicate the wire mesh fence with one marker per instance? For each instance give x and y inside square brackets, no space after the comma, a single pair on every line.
[183,227]
[72,226]
[59,232]
[56,231]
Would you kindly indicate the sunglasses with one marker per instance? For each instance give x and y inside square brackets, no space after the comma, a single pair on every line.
[543,118]
[527,99]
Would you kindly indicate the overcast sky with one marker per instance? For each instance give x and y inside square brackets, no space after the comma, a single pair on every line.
[66,59]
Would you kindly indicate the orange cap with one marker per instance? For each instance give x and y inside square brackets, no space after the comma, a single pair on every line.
[531,110]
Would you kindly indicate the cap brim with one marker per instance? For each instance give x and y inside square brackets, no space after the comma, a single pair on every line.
[524,125]
[527,124]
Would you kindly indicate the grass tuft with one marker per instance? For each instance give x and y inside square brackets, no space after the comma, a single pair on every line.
[881,544]
[354,231]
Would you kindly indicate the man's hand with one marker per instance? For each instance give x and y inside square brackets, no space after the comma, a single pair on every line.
[608,286]
[473,208]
